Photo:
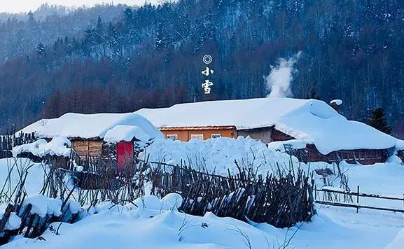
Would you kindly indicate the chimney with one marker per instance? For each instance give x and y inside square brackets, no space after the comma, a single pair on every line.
[336,104]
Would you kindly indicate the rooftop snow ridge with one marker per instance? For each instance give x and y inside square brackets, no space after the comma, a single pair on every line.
[312,121]
[86,126]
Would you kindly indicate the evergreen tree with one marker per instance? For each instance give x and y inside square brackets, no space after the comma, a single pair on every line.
[161,37]
[378,121]
[312,94]
[40,49]
[31,18]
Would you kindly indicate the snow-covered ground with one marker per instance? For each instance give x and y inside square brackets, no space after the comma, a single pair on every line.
[128,227]
[159,225]
[35,177]
[123,227]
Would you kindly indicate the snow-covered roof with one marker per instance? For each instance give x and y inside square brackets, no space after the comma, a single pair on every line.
[244,114]
[336,102]
[34,126]
[74,125]
[400,144]
[125,133]
[311,121]
[58,146]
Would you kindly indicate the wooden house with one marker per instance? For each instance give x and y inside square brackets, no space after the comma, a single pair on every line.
[327,135]
[202,133]
[99,136]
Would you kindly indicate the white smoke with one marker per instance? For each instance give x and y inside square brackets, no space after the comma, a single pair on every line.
[281,77]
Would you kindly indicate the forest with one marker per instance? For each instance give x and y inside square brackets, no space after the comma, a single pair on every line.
[120,59]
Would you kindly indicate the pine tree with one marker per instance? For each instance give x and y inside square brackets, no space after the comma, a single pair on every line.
[378,121]
[40,49]
[161,37]
[312,94]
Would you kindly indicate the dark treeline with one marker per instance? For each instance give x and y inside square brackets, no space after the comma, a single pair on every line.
[152,57]
[21,33]
[41,13]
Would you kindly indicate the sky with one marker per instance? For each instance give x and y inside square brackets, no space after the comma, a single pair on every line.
[16,6]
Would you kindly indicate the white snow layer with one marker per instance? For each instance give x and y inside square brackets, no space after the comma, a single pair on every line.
[150,205]
[34,126]
[280,145]
[13,222]
[126,226]
[125,133]
[129,227]
[398,242]
[74,125]
[218,155]
[244,114]
[156,225]
[336,102]
[318,123]
[42,205]
[74,206]
[58,146]
[400,144]
[311,121]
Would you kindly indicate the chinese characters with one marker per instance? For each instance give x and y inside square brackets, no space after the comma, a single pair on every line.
[207,60]
[206,86]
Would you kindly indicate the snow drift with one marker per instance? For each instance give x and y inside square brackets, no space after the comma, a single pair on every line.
[58,146]
[218,155]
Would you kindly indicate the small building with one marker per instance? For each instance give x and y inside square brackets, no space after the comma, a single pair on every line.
[201,133]
[327,135]
[103,136]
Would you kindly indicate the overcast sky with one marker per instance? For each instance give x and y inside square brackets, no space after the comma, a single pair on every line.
[16,6]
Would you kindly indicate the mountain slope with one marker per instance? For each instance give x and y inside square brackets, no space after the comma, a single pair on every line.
[152,57]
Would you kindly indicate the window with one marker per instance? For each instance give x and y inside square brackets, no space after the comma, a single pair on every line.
[172,137]
[215,136]
[197,136]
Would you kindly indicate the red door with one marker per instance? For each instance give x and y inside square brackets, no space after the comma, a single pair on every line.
[124,152]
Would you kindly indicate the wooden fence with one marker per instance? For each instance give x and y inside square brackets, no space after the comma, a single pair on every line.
[7,142]
[351,199]
[281,200]
[311,154]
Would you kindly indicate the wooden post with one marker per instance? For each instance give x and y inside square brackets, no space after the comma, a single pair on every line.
[6,216]
[357,201]
[315,192]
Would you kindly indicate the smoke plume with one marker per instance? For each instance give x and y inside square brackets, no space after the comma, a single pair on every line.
[281,76]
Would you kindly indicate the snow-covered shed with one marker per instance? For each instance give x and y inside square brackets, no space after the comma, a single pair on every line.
[329,136]
[104,135]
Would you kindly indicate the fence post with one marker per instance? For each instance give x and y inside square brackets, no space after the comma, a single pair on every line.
[357,201]
[315,192]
